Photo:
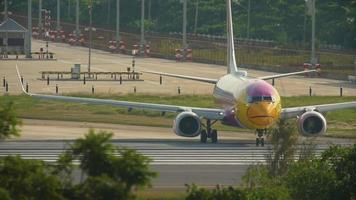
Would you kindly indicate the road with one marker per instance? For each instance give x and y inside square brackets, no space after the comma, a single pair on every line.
[177,162]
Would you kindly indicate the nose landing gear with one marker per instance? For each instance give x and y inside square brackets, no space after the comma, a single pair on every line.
[209,133]
[260,137]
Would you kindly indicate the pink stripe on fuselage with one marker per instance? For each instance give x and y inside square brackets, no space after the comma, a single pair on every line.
[260,88]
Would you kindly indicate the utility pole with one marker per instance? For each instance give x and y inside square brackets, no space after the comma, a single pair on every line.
[109,8]
[68,12]
[77,31]
[248,18]
[117,21]
[196,16]
[142,42]
[5,11]
[58,15]
[184,26]
[90,8]
[40,25]
[313,58]
[29,29]
[149,9]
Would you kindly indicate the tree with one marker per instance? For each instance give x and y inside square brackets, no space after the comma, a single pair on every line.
[4,194]
[120,174]
[8,121]
[132,168]
[101,188]
[218,193]
[312,180]
[284,139]
[342,160]
[94,152]
[28,179]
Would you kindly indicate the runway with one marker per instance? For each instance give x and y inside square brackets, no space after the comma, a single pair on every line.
[177,162]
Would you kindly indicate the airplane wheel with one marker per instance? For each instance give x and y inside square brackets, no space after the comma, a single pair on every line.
[262,142]
[257,142]
[214,136]
[203,136]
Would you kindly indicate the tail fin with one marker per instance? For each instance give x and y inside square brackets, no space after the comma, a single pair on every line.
[231,61]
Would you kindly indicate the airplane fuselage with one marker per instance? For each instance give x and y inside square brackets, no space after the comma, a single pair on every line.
[248,103]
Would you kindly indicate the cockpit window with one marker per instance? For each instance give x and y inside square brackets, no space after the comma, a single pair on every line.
[253,99]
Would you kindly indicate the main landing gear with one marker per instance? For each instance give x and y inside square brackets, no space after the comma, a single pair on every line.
[208,132]
[260,140]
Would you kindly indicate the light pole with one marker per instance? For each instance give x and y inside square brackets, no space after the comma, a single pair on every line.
[58,15]
[248,19]
[313,59]
[117,21]
[196,16]
[90,8]
[29,29]
[5,10]
[77,31]
[184,44]
[40,15]
[142,42]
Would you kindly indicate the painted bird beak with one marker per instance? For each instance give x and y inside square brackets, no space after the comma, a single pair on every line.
[262,114]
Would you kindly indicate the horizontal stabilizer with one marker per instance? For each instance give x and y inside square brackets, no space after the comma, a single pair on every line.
[286,74]
[193,78]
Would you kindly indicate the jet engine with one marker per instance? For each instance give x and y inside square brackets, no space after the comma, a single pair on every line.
[312,123]
[187,124]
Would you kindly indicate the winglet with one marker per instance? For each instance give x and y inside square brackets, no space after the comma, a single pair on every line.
[231,61]
[19,76]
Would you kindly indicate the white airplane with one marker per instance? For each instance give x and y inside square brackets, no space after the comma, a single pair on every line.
[243,102]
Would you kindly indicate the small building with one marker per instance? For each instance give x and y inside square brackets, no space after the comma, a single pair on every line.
[12,38]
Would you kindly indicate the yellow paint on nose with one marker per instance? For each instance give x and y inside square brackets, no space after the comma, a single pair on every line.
[262,114]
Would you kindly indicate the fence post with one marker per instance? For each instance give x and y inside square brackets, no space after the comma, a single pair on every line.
[48,80]
[160,80]
[22,80]
[341,91]
[56,89]
[120,79]
[26,87]
[179,90]
[310,91]
[92,89]
[84,81]
[4,81]
[135,89]
[7,87]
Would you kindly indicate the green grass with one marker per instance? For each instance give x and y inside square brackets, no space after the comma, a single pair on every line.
[341,123]
[161,195]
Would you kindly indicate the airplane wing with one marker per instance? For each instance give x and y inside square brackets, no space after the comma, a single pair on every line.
[286,74]
[194,78]
[209,113]
[297,111]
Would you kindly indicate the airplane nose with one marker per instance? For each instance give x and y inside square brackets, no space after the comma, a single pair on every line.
[262,114]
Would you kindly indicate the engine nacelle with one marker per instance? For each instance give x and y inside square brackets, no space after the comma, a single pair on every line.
[312,123]
[187,124]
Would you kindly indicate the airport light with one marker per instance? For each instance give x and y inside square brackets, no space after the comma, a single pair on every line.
[142,41]
[29,29]
[117,21]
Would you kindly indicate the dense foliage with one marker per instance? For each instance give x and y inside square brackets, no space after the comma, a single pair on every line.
[104,176]
[284,21]
[8,121]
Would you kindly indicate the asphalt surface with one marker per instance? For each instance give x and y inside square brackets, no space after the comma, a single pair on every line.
[177,162]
